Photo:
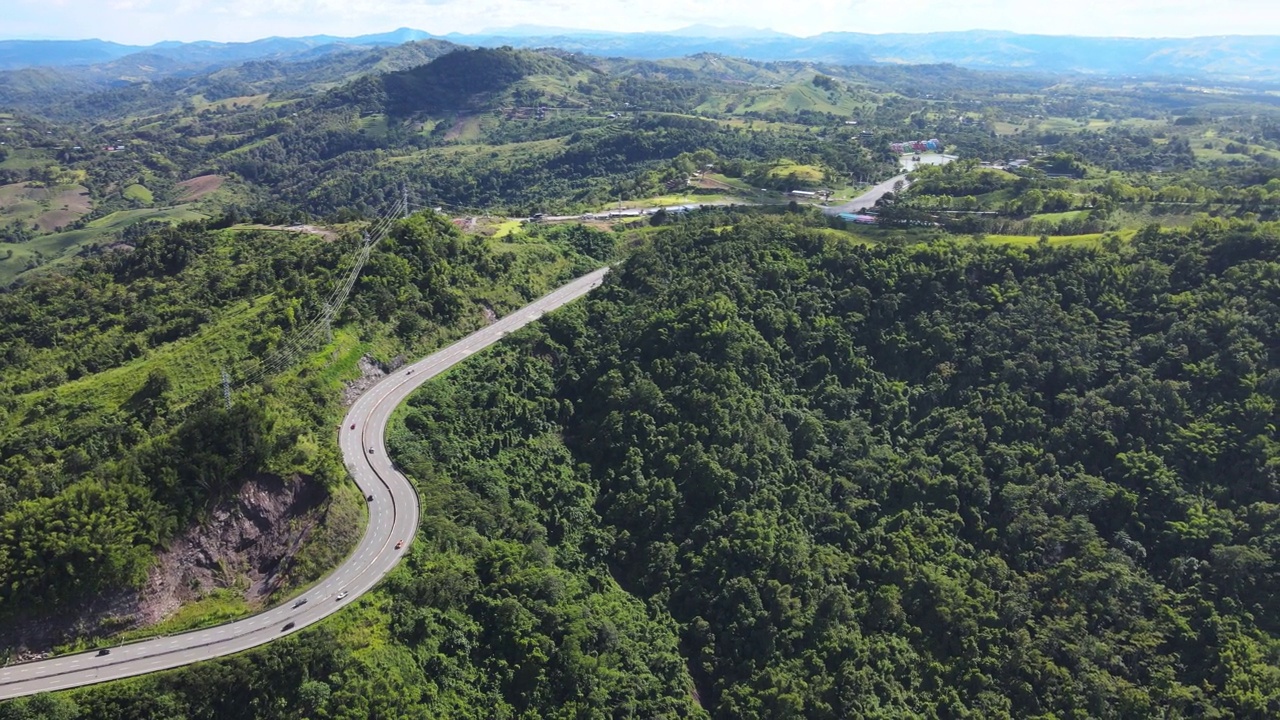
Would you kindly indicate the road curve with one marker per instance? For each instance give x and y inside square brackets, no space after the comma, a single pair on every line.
[393,517]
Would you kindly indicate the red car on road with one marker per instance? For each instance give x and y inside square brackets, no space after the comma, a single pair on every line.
[399,544]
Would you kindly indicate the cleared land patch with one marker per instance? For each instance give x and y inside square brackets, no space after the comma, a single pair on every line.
[796,171]
[57,246]
[243,101]
[198,187]
[46,208]
[325,233]
[467,128]
[25,159]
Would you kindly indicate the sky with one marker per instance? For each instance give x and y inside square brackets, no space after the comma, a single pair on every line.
[148,21]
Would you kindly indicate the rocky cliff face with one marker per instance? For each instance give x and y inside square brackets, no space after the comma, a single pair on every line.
[247,543]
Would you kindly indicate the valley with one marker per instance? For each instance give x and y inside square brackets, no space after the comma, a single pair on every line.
[908,391]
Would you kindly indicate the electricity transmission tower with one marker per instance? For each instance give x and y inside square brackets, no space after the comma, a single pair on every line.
[304,338]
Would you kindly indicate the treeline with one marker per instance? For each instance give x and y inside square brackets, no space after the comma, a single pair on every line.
[966,197]
[590,167]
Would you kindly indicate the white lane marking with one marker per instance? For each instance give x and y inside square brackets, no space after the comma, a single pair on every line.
[369,409]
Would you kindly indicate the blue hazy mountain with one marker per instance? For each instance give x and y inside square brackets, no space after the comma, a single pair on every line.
[1251,57]
[1240,57]
[45,53]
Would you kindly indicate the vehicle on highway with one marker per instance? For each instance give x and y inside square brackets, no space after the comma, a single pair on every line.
[368,498]
[234,637]
[301,602]
[409,373]
[353,426]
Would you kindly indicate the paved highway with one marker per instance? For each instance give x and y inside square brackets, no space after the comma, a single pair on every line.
[393,519]
[867,199]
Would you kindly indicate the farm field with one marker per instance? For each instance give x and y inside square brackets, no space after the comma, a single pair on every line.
[45,208]
[57,247]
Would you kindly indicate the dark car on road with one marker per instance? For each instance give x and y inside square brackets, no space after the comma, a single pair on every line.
[103,651]
[287,626]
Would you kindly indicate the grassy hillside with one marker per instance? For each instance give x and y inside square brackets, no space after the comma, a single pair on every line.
[59,247]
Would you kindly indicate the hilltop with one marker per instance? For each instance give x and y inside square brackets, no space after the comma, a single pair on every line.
[480,79]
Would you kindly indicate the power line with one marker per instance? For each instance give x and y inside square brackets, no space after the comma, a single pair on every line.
[300,342]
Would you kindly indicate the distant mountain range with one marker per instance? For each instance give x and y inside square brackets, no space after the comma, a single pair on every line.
[1236,57]
[150,82]
[17,54]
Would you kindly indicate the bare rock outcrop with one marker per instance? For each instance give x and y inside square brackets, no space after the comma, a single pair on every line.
[247,542]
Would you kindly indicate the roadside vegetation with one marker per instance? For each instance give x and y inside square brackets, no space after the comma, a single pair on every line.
[113,431]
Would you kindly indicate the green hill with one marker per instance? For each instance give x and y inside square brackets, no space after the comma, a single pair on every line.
[475,80]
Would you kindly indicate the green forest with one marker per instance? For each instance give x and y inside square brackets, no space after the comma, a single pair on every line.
[113,431]
[770,472]
[1006,448]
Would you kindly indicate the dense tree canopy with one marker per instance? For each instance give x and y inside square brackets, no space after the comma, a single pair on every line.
[946,481]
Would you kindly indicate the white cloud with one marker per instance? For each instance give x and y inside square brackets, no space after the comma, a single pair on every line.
[145,21]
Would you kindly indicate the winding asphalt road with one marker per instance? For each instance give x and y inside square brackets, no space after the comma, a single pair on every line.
[393,519]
